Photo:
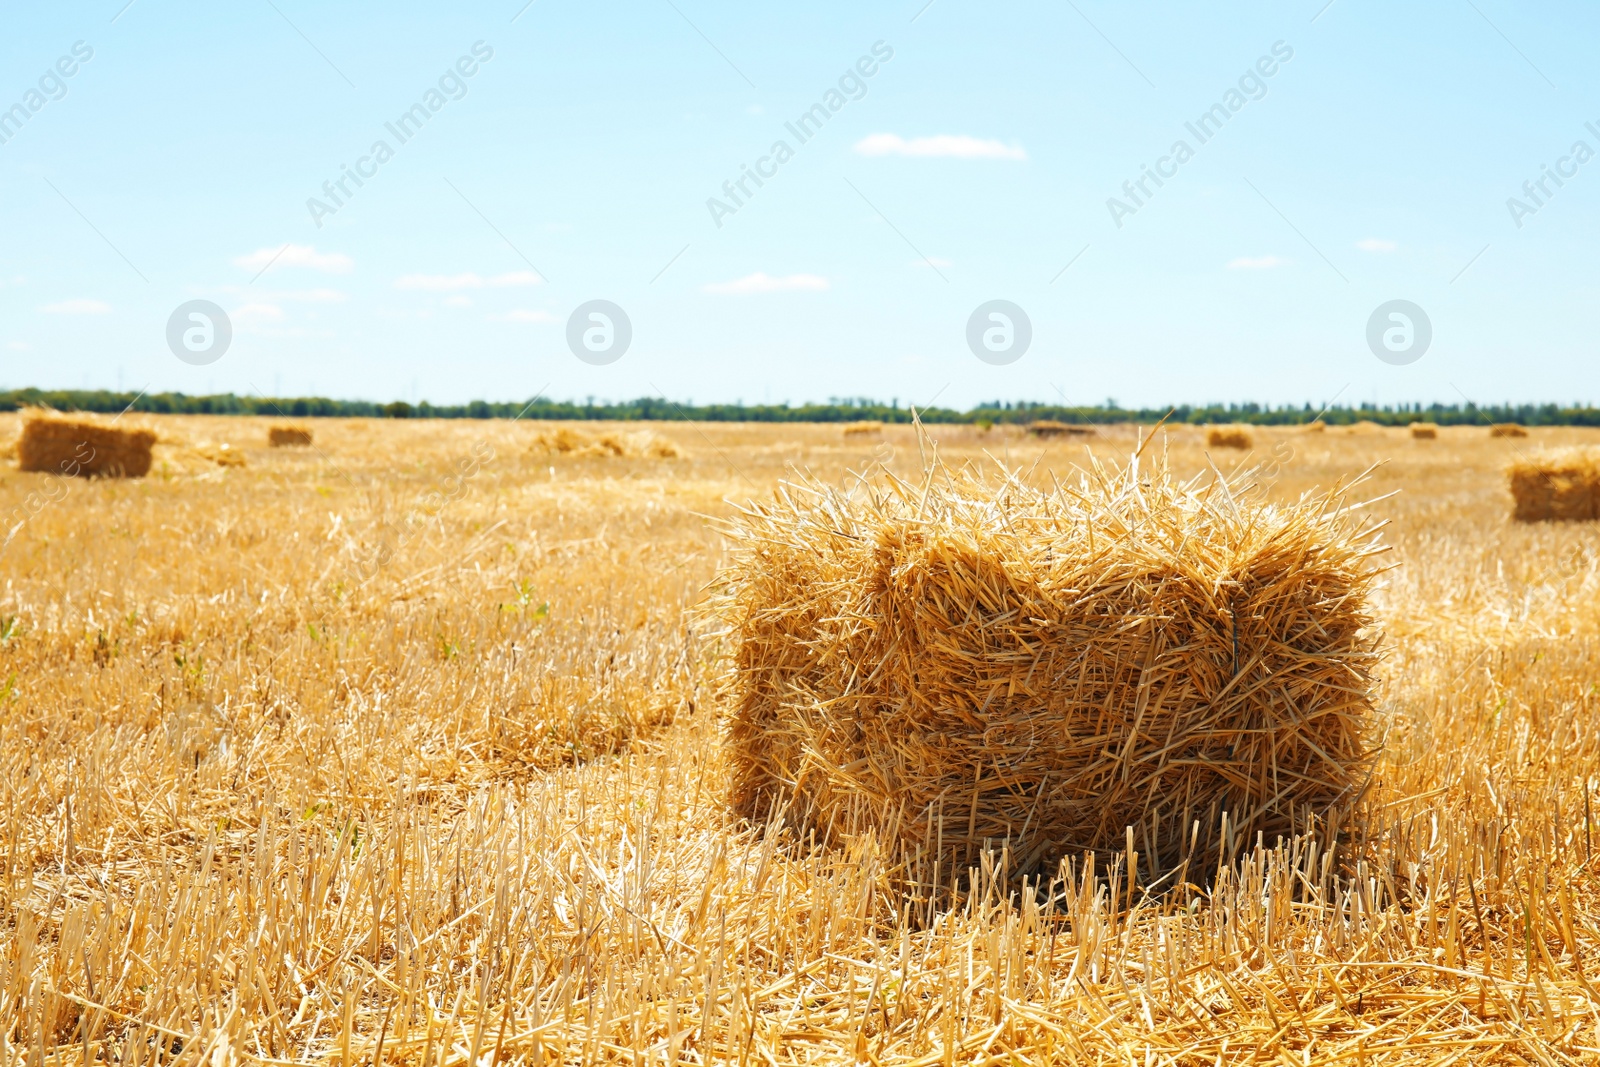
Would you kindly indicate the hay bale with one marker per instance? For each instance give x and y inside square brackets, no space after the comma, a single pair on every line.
[288,437]
[1052,428]
[1507,429]
[1424,431]
[611,445]
[958,664]
[83,445]
[223,455]
[662,448]
[865,426]
[1316,426]
[561,441]
[1556,486]
[1228,437]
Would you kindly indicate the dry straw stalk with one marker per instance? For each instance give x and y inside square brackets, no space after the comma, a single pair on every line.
[1555,486]
[961,665]
[83,446]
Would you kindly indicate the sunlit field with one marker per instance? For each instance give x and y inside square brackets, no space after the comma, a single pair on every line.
[404,748]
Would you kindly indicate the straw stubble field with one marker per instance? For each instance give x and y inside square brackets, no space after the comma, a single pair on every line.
[403,749]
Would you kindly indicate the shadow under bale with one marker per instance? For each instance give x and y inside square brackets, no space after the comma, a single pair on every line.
[962,666]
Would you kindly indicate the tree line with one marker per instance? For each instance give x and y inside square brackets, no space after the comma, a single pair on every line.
[848,409]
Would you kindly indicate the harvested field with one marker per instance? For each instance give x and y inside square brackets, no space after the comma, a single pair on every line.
[405,750]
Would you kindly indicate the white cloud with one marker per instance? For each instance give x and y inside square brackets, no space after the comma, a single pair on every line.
[760,282]
[956,146]
[257,313]
[296,296]
[312,296]
[1377,244]
[294,255]
[524,315]
[458,301]
[449,283]
[77,307]
[1257,263]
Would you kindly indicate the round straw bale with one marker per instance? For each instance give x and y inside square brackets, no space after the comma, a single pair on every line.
[864,427]
[1316,426]
[962,665]
[1424,431]
[1507,429]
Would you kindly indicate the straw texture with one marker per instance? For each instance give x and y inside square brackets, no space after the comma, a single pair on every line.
[82,446]
[961,665]
[1556,486]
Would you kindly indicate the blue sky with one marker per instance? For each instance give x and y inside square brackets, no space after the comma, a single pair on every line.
[577,162]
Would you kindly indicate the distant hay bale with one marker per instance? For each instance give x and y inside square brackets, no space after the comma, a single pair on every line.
[958,664]
[1316,426]
[561,440]
[662,448]
[1052,428]
[84,446]
[1364,426]
[1556,486]
[1424,431]
[866,426]
[1228,437]
[569,442]
[288,437]
[1507,429]
[223,455]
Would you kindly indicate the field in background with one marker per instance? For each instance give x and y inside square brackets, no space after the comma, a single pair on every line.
[401,749]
